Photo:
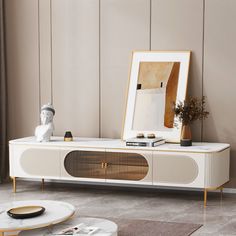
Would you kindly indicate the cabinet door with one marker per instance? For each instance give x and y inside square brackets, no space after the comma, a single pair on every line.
[83,165]
[178,169]
[129,166]
[33,161]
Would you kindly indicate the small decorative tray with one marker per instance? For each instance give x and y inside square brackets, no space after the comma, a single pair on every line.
[25,212]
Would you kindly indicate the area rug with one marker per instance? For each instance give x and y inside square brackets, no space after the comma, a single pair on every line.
[153,228]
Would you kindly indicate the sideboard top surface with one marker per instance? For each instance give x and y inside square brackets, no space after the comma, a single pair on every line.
[100,143]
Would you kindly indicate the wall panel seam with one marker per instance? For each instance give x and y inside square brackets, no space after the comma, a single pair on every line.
[39,57]
[203,56]
[99,68]
[51,35]
[150,27]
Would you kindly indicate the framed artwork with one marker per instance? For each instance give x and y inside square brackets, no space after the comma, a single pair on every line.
[158,79]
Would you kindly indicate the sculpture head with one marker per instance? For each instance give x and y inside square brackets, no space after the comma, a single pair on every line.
[47,113]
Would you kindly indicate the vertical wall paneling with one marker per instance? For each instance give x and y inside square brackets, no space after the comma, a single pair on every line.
[91,43]
[45,51]
[75,66]
[178,25]
[22,66]
[124,28]
[219,75]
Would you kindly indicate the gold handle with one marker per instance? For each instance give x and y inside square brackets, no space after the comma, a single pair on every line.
[104,165]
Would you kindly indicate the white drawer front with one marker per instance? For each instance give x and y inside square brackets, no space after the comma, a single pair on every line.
[178,169]
[36,162]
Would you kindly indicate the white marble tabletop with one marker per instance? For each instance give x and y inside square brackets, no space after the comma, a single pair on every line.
[105,227]
[109,144]
[55,212]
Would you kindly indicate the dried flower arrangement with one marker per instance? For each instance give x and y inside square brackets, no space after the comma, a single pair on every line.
[191,109]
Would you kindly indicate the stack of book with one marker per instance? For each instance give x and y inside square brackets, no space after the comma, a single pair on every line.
[145,142]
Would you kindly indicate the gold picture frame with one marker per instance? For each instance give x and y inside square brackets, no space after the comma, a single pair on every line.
[157,79]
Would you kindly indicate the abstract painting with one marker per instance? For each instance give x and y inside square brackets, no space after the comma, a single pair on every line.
[156,94]
[158,79]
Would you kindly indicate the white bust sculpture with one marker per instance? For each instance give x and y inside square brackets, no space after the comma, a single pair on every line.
[44,131]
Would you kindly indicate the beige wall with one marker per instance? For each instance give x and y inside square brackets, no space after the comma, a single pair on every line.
[219,81]
[91,43]
[174,32]
[75,66]
[22,66]
[124,27]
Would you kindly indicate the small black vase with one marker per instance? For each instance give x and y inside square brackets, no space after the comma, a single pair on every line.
[68,136]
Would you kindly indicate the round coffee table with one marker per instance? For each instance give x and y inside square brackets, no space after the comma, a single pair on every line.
[105,227]
[55,213]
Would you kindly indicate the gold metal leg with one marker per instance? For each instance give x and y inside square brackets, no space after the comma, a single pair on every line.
[42,185]
[221,193]
[205,197]
[14,186]
[214,188]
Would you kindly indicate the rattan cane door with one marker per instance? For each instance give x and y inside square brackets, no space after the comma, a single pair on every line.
[85,164]
[125,166]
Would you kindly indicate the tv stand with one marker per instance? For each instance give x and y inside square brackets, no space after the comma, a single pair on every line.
[204,165]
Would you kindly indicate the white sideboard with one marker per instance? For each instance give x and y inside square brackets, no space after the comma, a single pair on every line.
[203,165]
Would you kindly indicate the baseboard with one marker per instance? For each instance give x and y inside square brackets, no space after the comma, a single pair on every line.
[225,190]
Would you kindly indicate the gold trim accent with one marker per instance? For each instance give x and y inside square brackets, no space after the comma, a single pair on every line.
[104,165]
[70,139]
[190,151]
[128,83]
[126,96]
[41,226]
[158,150]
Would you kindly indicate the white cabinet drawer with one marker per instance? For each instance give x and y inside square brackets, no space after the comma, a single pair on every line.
[30,161]
[178,169]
